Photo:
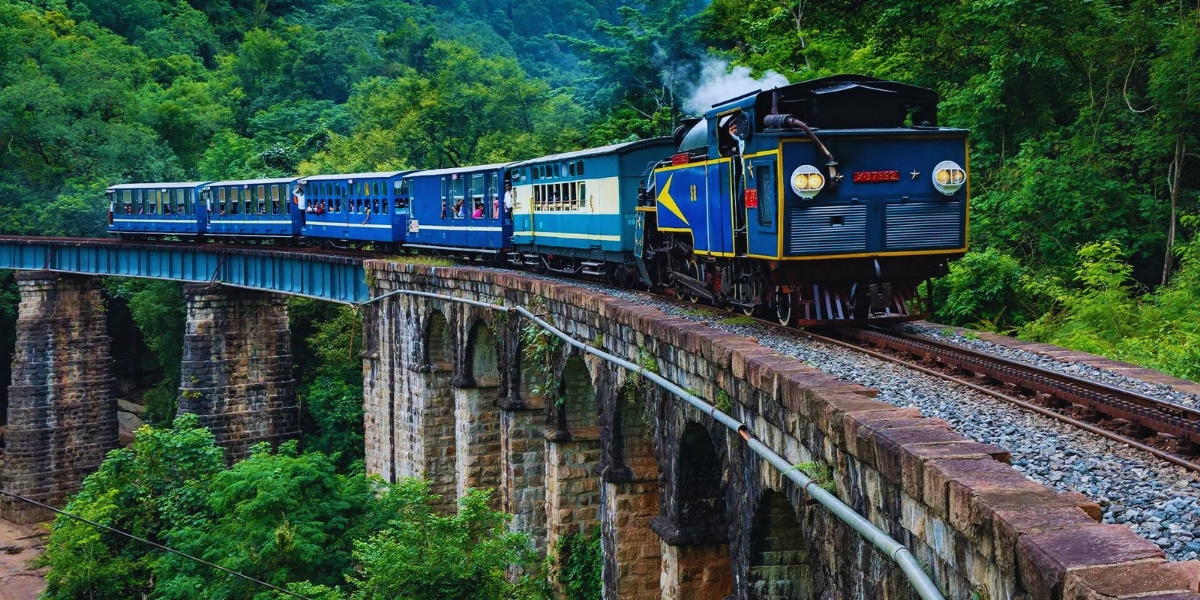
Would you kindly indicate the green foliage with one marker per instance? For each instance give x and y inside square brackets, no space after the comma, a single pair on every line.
[327,358]
[982,287]
[540,349]
[820,473]
[160,313]
[724,402]
[421,554]
[284,517]
[279,517]
[158,483]
[1102,311]
[580,565]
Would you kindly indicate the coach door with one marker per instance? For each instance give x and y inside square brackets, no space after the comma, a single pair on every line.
[762,206]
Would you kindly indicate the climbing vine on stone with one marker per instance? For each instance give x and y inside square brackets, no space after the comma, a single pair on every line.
[540,348]
[580,565]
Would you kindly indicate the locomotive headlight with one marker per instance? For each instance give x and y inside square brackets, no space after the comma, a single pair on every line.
[807,181]
[948,177]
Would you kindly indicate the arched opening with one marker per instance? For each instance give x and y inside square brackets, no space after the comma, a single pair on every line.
[523,451]
[698,566]
[700,492]
[577,398]
[778,562]
[433,399]
[572,486]
[632,551]
[439,343]
[485,367]
[477,418]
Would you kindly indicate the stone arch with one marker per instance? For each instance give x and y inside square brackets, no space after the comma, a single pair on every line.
[476,415]
[428,402]
[632,446]
[573,496]
[696,556]
[482,358]
[577,399]
[698,485]
[439,342]
[778,567]
[630,500]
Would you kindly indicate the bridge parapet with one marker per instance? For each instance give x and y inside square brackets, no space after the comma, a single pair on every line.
[717,520]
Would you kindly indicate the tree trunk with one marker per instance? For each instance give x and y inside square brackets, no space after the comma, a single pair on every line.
[1173,182]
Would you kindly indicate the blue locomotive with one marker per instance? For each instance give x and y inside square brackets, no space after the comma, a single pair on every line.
[825,201]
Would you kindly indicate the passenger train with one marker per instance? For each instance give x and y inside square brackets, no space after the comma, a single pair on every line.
[826,201]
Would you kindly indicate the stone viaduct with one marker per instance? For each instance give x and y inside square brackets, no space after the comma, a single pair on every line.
[468,397]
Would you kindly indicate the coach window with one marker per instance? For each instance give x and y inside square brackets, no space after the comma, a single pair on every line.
[582,193]
[579,171]
[575,193]
[127,201]
[766,196]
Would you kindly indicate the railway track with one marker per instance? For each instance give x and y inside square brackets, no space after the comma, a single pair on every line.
[1169,431]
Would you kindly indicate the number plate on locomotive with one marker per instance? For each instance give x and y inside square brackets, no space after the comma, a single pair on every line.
[876,176]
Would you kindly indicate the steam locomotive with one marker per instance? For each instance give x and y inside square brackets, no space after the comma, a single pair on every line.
[826,201]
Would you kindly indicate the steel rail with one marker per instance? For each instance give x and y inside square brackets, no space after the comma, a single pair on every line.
[900,554]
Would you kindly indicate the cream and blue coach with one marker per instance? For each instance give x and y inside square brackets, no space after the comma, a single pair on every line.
[574,212]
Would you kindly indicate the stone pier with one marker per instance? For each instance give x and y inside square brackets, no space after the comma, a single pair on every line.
[237,367]
[62,415]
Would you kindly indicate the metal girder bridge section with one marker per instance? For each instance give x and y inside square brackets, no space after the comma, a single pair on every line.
[310,272]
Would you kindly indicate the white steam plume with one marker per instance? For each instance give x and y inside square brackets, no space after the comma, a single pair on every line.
[718,83]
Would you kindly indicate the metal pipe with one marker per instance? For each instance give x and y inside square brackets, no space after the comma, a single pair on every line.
[920,580]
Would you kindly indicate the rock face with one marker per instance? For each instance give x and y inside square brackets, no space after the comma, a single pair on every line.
[684,508]
[128,424]
[62,416]
[237,367]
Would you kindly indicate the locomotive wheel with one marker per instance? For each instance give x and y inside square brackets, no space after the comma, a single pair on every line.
[783,306]
[749,293]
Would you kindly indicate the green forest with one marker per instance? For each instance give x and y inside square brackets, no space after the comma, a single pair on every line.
[1085,136]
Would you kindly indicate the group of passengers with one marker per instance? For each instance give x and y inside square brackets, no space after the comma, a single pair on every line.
[459,209]
[152,209]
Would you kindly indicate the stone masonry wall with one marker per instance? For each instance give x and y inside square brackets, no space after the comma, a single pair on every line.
[237,367]
[726,523]
[62,414]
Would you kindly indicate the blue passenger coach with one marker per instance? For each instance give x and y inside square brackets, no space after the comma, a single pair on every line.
[356,207]
[580,206]
[156,209]
[459,210]
[254,207]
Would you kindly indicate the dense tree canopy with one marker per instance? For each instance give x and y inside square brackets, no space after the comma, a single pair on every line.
[1085,121]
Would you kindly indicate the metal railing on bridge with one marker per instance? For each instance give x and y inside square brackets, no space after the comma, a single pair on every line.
[312,272]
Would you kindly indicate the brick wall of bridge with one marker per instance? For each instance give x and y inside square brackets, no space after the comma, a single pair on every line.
[685,510]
